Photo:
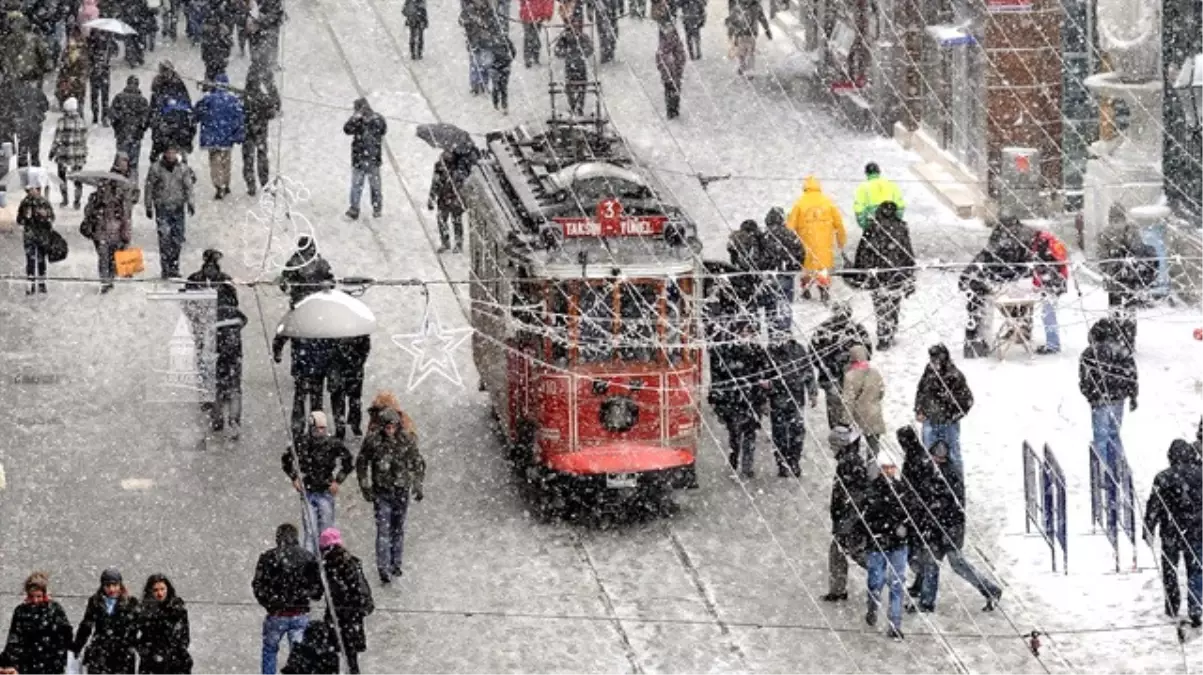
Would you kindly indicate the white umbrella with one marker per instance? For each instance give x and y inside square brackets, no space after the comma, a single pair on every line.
[111,26]
[328,314]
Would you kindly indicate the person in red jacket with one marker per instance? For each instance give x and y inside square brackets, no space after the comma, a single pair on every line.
[1050,274]
[670,61]
[533,14]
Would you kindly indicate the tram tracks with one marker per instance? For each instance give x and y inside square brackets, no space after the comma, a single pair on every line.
[574,538]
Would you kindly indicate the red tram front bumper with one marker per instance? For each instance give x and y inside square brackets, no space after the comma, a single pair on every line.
[616,459]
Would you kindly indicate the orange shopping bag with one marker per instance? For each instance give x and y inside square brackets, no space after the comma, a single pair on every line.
[128,261]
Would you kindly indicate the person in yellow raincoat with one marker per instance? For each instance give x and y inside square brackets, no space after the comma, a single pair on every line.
[817,222]
[875,191]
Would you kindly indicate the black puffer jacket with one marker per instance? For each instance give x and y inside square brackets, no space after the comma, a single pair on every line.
[349,594]
[286,579]
[113,636]
[323,460]
[782,250]
[367,130]
[131,114]
[884,256]
[39,637]
[943,395]
[1175,506]
[830,344]
[793,376]
[164,634]
[1106,370]
[887,520]
[849,490]
[736,371]
[1005,257]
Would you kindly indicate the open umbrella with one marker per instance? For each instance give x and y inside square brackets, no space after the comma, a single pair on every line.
[446,137]
[110,26]
[95,178]
[328,314]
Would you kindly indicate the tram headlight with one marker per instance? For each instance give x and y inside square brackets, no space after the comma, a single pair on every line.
[674,233]
[619,414]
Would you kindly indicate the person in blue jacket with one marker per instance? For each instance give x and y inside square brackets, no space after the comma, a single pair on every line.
[222,125]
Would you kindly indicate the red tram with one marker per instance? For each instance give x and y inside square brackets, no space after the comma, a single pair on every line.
[585,291]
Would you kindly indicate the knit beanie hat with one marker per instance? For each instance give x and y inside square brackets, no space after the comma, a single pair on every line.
[330,537]
[71,105]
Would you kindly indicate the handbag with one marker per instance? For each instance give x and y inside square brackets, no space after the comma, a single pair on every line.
[129,262]
[56,247]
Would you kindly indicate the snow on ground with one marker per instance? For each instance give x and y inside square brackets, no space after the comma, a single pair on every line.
[731,583]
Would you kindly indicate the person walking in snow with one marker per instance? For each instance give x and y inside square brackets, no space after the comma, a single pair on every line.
[1175,510]
[350,596]
[130,113]
[222,125]
[885,265]
[69,149]
[1050,275]
[163,630]
[849,490]
[390,470]
[263,27]
[347,360]
[107,223]
[670,61]
[168,195]
[173,126]
[1129,266]
[73,73]
[29,106]
[286,579]
[886,517]
[306,272]
[942,498]
[261,103]
[101,50]
[444,196]
[793,384]
[109,629]
[226,411]
[499,70]
[217,41]
[39,633]
[533,14]
[782,259]
[35,215]
[831,345]
[738,392]
[942,400]
[416,21]
[745,247]
[1107,376]
[872,193]
[575,48]
[862,391]
[320,466]
[817,222]
[693,17]
[317,651]
[309,368]
[743,25]
[367,129]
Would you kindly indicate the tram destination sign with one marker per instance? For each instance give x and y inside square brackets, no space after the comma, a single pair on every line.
[610,221]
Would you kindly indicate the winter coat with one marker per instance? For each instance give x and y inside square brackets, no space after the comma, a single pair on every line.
[304,274]
[130,114]
[113,636]
[943,395]
[782,249]
[221,117]
[261,103]
[746,19]
[736,371]
[793,379]
[1106,369]
[39,636]
[885,252]
[1129,265]
[271,14]
[210,277]
[874,192]
[444,192]
[534,11]
[831,343]
[168,87]
[101,50]
[317,652]
[24,54]
[693,14]
[35,215]
[414,12]
[386,400]
[70,145]
[323,460]
[575,48]
[367,137]
[286,580]
[164,636]
[1005,258]
[169,186]
[886,514]
[72,76]
[107,218]
[863,392]
[670,57]
[942,508]
[1175,506]
[746,248]
[480,23]
[230,323]
[216,42]
[389,465]
[849,490]
[23,108]
[174,125]
[349,594]
[817,222]
[1052,270]
[310,356]
[347,359]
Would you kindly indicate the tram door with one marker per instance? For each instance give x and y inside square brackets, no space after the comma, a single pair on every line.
[524,346]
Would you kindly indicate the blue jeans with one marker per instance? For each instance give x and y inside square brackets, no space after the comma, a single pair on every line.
[320,516]
[276,628]
[133,149]
[781,320]
[1154,236]
[956,559]
[950,433]
[372,174]
[1105,421]
[1052,332]
[480,62]
[390,530]
[877,563]
[1194,578]
[169,223]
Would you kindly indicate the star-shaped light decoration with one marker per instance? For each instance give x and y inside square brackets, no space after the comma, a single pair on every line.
[433,349]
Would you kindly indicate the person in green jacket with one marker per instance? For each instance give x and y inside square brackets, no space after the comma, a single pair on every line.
[872,193]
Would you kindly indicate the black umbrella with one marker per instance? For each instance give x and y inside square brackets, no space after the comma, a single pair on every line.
[446,137]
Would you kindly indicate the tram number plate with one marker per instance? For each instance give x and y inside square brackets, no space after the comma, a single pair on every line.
[621,480]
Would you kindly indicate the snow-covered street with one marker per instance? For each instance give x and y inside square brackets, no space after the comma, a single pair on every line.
[98,475]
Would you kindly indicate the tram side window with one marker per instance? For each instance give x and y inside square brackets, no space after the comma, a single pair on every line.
[640,310]
[596,341]
[558,308]
[677,317]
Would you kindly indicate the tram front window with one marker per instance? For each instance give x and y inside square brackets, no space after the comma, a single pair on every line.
[640,313]
[596,306]
[677,309]
[558,310]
